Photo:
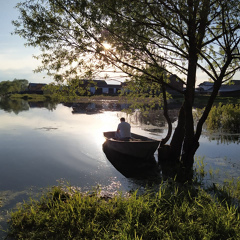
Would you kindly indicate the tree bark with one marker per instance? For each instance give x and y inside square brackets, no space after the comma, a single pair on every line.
[165,113]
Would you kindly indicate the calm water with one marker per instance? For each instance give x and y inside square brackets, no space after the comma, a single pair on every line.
[42,144]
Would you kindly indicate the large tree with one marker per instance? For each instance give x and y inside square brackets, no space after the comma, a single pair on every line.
[157,35]
[15,86]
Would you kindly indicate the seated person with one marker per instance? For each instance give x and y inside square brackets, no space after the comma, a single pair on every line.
[123,130]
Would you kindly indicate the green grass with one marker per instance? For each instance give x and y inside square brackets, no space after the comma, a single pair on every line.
[30,97]
[200,101]
[174,212]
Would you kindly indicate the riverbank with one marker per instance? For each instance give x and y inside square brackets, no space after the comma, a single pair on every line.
[173,212]
[200,100]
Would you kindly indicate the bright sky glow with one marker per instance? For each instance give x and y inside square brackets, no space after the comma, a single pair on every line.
[16,60]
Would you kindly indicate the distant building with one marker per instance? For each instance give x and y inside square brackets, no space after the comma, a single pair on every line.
[205,86]
[98,87]
[101,87]
[232,89]
[36,88]
[174,81]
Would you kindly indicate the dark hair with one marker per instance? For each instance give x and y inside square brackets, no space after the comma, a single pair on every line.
[122,119]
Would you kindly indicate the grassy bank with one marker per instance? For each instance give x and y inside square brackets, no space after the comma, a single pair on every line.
[30,97]
[200,100]
[44,97]
[174,212]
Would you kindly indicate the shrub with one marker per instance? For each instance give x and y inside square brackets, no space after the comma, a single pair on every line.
[225,117]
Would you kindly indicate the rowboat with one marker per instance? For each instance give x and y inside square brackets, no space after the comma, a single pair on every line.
[137,146]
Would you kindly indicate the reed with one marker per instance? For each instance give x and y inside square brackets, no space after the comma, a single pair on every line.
[224,117]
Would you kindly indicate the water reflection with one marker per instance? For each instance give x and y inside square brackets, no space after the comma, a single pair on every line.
[21,105]
[44,142]
[132,167]
[223,137]
[154,122]
[14,105]
[48,105]
[153,118]
[96,107]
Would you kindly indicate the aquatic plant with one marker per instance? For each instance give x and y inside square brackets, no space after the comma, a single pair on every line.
[224,117]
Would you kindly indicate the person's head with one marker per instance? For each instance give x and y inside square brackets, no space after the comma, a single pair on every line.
[122,119]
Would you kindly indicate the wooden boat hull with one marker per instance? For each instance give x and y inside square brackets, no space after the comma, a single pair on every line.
[138,146]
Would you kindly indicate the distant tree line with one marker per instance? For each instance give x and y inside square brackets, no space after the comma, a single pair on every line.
[9,87]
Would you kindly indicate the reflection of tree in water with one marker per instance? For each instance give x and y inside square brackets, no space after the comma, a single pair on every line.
[154,118]
[96,107]
[43,104]
[15,106]
[223,137]
[21,105]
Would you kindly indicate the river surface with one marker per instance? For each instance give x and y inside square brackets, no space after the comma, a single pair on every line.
[43,144]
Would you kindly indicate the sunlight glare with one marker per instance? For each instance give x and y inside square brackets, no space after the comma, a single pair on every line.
[107,121]
[106,45]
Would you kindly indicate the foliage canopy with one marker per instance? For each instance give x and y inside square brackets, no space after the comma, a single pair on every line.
[16,85]
[142,35]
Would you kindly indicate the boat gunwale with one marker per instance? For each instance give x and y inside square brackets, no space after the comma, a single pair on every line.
[133,139]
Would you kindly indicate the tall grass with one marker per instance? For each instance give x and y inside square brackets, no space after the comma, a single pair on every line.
[174,212]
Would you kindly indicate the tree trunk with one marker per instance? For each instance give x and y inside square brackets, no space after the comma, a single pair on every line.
[180,153]
[165,113]
[169,155]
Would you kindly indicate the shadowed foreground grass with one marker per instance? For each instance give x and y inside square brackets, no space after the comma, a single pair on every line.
[174,212]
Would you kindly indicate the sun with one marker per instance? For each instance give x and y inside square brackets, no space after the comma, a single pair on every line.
[106,45]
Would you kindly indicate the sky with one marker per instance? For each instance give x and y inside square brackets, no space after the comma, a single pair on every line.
[16,60]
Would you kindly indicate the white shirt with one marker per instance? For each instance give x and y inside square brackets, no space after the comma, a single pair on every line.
[124,129]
